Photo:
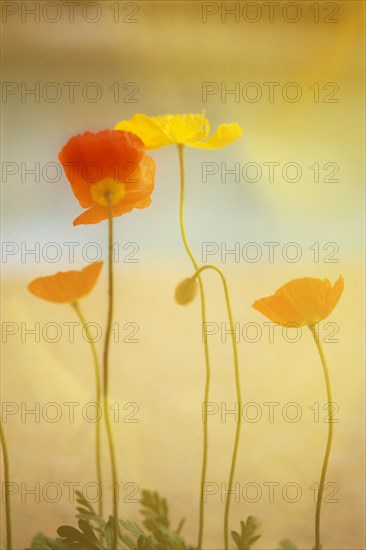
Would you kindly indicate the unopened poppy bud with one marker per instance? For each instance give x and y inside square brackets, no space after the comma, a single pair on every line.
[186,291]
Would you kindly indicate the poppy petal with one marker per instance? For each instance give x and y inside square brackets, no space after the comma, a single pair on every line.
[279,310]
[304,301]
[184,129]
[309,295]
[141,183]
[187,129]
[91,157]
[149,130]
[95,214]
[66,286]
[137,195]
[334,295]
[224,135]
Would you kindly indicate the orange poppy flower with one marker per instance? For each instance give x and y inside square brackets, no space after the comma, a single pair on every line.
[66,286]
[110,165]
[301,302]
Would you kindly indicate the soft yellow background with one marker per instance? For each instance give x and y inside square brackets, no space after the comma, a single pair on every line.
[169,53]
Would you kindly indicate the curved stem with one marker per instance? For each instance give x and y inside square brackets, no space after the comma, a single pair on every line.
[6,483]
[207,357]
[239,399]
[98,389]
[106,373]
[329,440]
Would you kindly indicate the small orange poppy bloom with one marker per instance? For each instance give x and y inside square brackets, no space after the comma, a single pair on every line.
[301,302]
[108,167]
[66,286]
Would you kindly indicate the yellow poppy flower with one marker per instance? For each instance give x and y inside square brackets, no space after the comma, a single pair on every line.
[191,130]
[301,302]
[66,286]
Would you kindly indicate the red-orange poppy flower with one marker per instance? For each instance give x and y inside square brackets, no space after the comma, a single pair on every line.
[66,287]
[301,302]
[108,167]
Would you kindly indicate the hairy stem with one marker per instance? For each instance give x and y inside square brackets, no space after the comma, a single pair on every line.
[98,398]
[9,545]
[329,439]
[207,357]
[238,396]
[112,453]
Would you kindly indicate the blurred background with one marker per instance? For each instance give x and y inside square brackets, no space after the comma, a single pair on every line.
[155,57]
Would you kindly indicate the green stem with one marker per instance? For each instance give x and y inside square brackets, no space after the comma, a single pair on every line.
[207,357]
[329,440]
[239,399]
[7,496]
[106,373]
[98,388]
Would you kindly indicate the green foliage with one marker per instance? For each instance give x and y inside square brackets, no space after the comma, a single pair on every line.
[93,533]
[86,511]
[109,534]
[247,536]
[286,544]
[155,510]
[161,540]
[133,529]
[41,542]
[85,539]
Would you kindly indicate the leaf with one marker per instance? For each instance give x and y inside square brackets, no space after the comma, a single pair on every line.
[132,527]
[68,532]
[109,534]
[87,530]
[247,536]
[41,542]
[156,520]
[168,540]
[287,544]
[154,510]
[128,542]
[86,510]
[85,539]
[83,501]
[236,538]
[91,517]
[144,543]
[180,525]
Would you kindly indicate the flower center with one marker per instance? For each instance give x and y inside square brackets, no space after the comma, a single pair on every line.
[108,189]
